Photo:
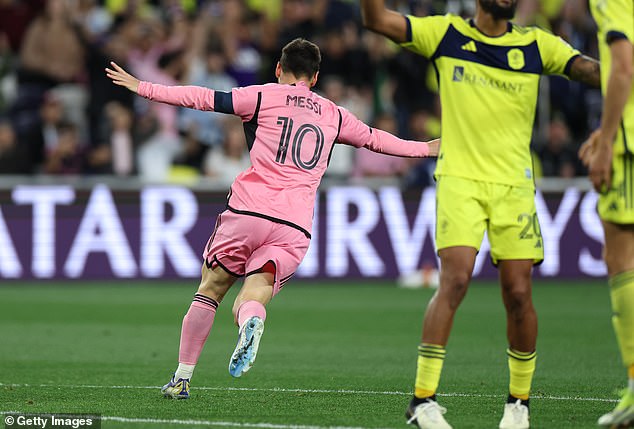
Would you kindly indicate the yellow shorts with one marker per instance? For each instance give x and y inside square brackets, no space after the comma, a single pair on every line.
[466,208]
[617,204]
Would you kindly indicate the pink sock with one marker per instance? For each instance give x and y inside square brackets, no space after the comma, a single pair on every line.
[248,309]
[196,326]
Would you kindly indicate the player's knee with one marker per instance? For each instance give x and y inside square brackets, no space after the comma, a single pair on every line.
[212,291]
[454,286]
[457,281]
[518,299]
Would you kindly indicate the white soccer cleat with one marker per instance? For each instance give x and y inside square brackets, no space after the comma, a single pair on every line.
[427,415]
[515,416]
[176,389]
[247,348]
[622,416]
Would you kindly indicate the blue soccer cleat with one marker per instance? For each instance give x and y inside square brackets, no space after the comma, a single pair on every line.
[176,389]
[247,348]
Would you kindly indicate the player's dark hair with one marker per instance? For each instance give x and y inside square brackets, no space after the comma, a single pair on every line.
[301,58]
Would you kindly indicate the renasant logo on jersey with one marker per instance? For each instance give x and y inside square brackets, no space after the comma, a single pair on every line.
[460,75]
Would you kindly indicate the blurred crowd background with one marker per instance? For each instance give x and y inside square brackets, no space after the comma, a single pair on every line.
[59,115]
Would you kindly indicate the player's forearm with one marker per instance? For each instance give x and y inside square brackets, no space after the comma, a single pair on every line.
[587,70]
[371,11]
[616,96]
[618,89]
[386,143]
[384,21]
[194,97]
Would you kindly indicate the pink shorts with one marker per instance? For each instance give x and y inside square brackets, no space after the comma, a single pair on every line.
[243,244]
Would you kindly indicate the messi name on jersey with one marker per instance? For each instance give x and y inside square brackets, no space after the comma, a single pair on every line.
[305,102]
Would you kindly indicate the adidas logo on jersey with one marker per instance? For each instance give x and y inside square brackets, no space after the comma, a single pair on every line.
[469,46]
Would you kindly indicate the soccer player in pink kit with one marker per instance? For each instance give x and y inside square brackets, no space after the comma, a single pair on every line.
[264,233]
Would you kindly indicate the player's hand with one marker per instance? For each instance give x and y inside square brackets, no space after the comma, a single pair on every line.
[600,165]
[122,78]
[434,148]
[586,151]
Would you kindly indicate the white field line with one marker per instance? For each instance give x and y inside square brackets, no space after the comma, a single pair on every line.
[225,424]
[191,422]
[326,391]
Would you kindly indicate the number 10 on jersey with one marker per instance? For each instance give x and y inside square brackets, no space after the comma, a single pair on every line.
[298,140]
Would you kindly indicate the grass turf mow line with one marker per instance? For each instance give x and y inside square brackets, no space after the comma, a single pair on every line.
[295,390]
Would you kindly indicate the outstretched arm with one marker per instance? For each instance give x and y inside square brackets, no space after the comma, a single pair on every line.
[194,97]
[383,142]
[355,133]
[587,70]
[384,21]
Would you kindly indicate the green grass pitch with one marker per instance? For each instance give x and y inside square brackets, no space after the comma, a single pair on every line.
[332,355]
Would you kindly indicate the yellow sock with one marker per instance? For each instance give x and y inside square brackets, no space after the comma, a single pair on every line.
[630,372]
[430,360]
[622,297]
[521,369]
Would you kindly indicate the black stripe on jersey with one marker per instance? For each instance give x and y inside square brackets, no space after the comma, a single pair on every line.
[613,36]
[223,102]
[625,184]
[252,126]
[627,149]
[569,65]
[271,218]
[408,30]
[631,173]
[627,178]
[630,188]
[336,137]
[339,126]
[488,55]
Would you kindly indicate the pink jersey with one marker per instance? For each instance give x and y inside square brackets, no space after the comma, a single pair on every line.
[290,132]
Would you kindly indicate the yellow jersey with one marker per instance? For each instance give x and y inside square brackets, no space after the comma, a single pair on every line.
[488,91]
